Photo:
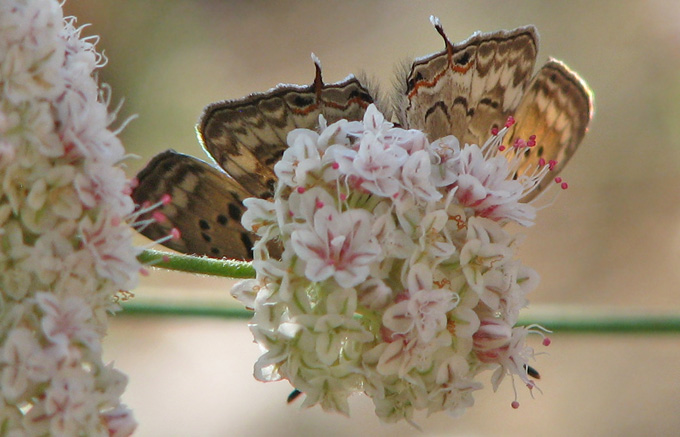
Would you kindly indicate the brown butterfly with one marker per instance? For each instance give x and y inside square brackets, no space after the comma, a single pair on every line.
[465,90]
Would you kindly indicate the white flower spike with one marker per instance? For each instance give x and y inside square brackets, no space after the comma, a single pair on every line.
[66,247]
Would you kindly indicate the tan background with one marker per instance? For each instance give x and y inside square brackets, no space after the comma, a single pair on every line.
[611,241]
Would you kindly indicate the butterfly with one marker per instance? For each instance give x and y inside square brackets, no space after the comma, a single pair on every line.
[466,90]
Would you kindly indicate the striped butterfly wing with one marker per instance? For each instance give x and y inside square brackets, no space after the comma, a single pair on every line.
[557,108]
[245,137]
[468,88]
[472,87]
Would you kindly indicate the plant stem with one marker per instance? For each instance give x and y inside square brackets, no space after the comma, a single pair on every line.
[192,264]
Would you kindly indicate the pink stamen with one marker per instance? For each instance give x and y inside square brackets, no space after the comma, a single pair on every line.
[494,131]
[319,204]
[558,179]
[552,163]
[510,121]
[515,404]
[335,166]
[301,190]
[159,216]
[501,147]
[343,196]
[166,199]
[547,341]
[564,185]
[143,272]
[541,162]
[176,235]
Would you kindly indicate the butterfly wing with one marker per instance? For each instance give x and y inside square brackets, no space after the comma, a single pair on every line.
[246,137]
[468,88]
[557,108]
[206,206]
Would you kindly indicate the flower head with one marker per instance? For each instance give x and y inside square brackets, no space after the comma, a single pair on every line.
[66,248]
[397,278]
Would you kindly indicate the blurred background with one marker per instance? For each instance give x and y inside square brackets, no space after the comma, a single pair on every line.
[611,242]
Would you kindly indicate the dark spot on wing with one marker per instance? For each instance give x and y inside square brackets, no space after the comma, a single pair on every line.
[222,219]
[460,100]
[248,243]
[412,82]
[441,106]
[362,95]
[206,237]
[276,157]
[489,102]
[302,101]
[203,223]
[234,212]
[464,59]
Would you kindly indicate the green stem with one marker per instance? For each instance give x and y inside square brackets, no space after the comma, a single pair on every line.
[569,321]
[192,264]
[611,323]
[182,310]
[589,324]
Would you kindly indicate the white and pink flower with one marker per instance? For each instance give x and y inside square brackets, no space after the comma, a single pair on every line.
[66,247]
[397,278]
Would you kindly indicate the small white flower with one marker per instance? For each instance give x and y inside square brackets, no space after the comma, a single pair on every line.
[338,245]
[424,309]
[299,159]
[67,320]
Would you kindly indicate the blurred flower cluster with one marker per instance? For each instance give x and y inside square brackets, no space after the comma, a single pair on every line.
[66,249]
[397,278]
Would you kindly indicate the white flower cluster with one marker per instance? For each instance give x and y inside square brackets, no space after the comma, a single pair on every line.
[66,249]
[396,278]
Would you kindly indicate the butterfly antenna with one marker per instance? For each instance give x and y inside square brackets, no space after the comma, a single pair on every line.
[440,29]
[318,80]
